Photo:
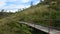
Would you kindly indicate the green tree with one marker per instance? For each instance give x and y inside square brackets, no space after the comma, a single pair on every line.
[2,10]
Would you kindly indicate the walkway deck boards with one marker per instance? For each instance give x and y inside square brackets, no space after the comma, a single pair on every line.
[45,29]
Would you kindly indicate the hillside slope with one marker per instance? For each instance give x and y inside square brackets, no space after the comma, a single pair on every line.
[39,14]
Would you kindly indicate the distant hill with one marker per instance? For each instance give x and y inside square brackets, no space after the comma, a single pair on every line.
[5,14]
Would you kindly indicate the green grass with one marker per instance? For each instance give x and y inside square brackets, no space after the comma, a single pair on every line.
[36,14]
[9,26]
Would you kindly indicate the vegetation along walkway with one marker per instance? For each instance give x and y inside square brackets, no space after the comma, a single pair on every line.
[44,29]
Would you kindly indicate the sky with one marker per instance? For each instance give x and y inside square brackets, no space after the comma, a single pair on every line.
[14,5]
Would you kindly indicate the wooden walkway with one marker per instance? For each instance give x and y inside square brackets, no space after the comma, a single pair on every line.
[44,29]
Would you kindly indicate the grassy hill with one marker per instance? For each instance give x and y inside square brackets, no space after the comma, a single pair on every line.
[39,14]
[42,15]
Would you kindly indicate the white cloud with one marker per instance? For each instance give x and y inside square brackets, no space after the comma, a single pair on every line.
[24,1]
[2,3]
[14,7]
[36,2]
[12,0]
[12,10]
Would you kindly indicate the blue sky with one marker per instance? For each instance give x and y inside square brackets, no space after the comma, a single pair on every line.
[14,5]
